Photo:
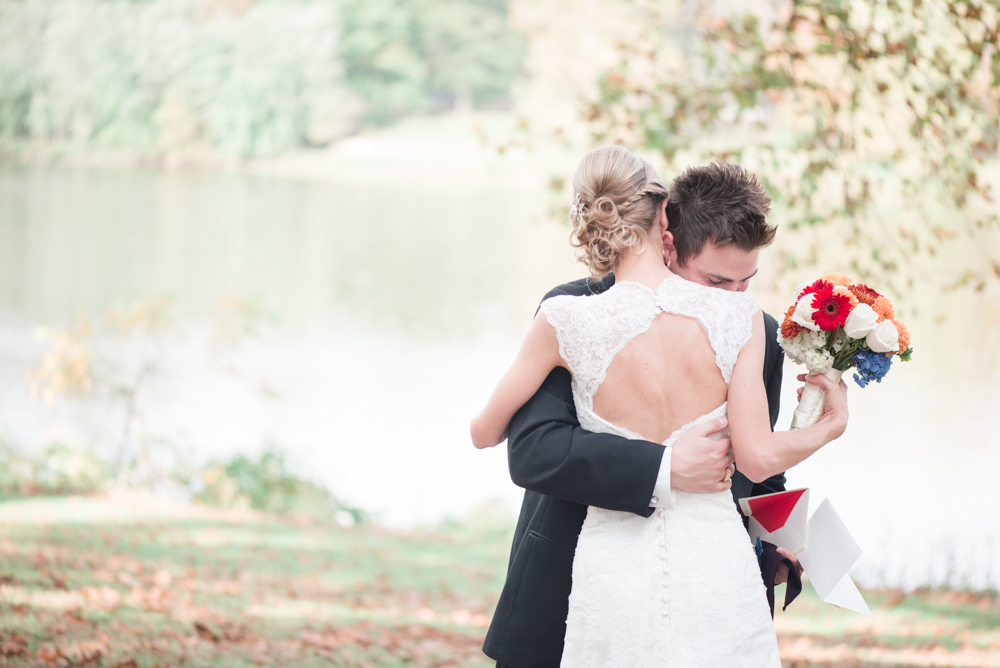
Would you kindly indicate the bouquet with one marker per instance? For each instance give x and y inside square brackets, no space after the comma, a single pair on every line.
[833,325]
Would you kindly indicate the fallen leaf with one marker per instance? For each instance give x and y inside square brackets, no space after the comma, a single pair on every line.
[50,656]
[205,632]
[57,582]
[127,663]
[84,652]
[16,644]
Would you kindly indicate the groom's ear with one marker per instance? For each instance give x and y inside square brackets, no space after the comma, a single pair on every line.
[668,242]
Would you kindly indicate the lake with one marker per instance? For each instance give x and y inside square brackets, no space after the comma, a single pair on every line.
[355,308]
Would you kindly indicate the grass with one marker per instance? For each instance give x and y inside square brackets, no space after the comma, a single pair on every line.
[123,582]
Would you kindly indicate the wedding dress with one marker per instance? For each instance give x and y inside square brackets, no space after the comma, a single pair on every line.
[682,587]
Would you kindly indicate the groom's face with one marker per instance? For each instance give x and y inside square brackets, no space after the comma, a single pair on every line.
[726,267]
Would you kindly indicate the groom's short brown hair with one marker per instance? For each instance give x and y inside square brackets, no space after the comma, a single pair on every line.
[719,203]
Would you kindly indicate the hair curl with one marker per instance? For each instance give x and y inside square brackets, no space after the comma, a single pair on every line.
[619,196]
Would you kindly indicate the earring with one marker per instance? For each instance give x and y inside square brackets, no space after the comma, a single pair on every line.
[668,263]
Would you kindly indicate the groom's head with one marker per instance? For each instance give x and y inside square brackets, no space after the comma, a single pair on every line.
[717,224]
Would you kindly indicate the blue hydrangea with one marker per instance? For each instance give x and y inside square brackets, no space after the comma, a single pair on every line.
[871,367]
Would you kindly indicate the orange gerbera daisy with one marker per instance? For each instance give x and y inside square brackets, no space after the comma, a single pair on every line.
[864,294]
[789,329]
[904,336]
[842,290]
[883,307]
[836,279]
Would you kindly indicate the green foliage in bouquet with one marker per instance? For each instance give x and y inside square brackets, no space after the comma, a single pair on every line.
[847,109]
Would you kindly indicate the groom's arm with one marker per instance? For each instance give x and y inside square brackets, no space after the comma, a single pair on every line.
[549,453]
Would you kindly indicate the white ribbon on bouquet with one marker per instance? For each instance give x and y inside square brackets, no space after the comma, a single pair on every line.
[810,408]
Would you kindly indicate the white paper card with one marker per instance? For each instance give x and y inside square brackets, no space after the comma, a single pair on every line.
[832,550]
[845,594]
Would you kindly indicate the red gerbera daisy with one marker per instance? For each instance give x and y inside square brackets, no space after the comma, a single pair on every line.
[832,308]
[815,286]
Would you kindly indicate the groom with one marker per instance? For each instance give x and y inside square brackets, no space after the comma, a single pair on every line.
[717,225]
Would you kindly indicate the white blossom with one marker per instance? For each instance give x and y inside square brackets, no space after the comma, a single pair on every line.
[808,348]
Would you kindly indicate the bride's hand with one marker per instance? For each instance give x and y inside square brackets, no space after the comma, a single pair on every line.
[835,413]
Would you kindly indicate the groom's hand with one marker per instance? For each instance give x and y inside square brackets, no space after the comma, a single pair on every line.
[698,463]
[781,576]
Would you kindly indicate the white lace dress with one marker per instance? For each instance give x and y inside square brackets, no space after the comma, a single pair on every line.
[682,587]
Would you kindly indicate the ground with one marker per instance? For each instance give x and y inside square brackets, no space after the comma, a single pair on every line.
[122,581]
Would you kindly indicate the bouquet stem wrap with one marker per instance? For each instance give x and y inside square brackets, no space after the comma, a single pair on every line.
[810,408]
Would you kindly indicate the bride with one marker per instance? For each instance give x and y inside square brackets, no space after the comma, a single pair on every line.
[652,357]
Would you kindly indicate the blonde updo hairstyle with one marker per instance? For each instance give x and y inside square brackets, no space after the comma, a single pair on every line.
[617,196]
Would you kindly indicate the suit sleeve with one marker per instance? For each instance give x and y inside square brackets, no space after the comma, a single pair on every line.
[774,361]
[550,453]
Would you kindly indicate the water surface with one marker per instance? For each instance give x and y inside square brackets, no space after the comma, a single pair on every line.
[376,306]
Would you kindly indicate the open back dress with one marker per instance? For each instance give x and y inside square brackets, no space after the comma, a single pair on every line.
[683,586]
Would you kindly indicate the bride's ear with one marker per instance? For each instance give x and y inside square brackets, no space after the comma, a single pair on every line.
[665,234]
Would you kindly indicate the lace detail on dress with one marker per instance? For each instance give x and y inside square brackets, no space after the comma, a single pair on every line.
[726,316]
[592,329]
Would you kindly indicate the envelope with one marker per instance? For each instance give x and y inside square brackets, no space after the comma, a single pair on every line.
[831,553]
[823,545]
[779,518]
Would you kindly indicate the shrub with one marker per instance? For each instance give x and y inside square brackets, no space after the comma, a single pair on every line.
[55,469]
[265,483]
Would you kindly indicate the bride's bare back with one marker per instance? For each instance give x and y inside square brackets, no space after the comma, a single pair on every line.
[662,379]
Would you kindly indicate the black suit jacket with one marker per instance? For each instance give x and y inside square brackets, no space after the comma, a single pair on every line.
[563,469]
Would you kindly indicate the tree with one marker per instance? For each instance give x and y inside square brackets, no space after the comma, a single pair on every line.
[873,123]
[406,56]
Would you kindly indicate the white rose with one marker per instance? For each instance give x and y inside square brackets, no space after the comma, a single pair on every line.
[860,321]
[884,338]
[799,289]
[803,314]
